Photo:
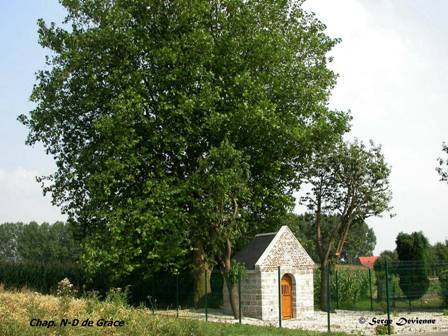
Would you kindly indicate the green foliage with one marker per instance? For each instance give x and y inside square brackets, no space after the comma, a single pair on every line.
[361,239]
[238,269]
[42,277]
[35,242]
[141,100]
[437,256]
[349,183]
[9,236]
[413,268]
[221,184]
[353,286]
[349,170]
[118,297]
[48,242]
[390,258]
[443,278]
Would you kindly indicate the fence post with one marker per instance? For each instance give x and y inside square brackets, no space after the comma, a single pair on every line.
[393,296]
[206,296]
[239,295]
[370,289]
[387,299]
[177,294]
[153,297]
[337,289]
[279,297]
[328,299]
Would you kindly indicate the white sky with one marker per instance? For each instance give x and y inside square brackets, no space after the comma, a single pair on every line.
[393,77]
[393,69]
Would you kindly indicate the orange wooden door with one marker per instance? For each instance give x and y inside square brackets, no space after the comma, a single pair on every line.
[286,297]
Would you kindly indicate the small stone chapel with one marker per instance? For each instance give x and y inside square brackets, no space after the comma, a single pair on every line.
[259,287]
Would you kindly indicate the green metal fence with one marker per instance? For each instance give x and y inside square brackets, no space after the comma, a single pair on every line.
[383,292]
[395,288]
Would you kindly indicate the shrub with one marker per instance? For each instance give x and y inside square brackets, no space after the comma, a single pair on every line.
[118,297]
[413,268]
[382,329]
[65,288]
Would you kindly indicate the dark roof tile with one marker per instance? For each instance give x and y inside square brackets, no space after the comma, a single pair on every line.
[253,251]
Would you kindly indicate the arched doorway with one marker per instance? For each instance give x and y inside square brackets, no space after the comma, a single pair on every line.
[286,297]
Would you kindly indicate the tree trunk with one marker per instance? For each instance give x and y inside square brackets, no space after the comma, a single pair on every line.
[232,291]
[323,288]
[231,287]
[201,274]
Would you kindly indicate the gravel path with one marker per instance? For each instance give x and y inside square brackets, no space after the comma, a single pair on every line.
[364,323]
[353,322]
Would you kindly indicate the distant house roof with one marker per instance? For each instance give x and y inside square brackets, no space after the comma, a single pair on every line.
[367,261]
[253,251]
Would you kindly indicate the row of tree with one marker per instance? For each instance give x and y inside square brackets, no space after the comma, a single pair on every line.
[412,263]
[38,243]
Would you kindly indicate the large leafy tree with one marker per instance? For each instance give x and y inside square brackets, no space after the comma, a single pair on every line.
[412,267]
[143,102]
[349,183]
[361,239]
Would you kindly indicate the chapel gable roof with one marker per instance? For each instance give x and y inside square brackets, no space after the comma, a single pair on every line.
[274,249]
[253,251]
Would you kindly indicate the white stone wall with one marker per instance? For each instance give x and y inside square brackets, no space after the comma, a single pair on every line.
[259,290]
[303,298]
[304,292]
[269,295]
[250,296]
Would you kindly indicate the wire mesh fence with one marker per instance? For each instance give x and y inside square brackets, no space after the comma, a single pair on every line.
[397,287]
[348,292]
[409,286]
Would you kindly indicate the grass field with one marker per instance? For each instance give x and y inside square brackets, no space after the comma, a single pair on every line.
[21,308]
[428,303]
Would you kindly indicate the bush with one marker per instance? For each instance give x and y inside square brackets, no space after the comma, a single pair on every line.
[382,329]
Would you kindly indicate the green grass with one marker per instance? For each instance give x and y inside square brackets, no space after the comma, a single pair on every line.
[215,329]
[17,309]
[428,303]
